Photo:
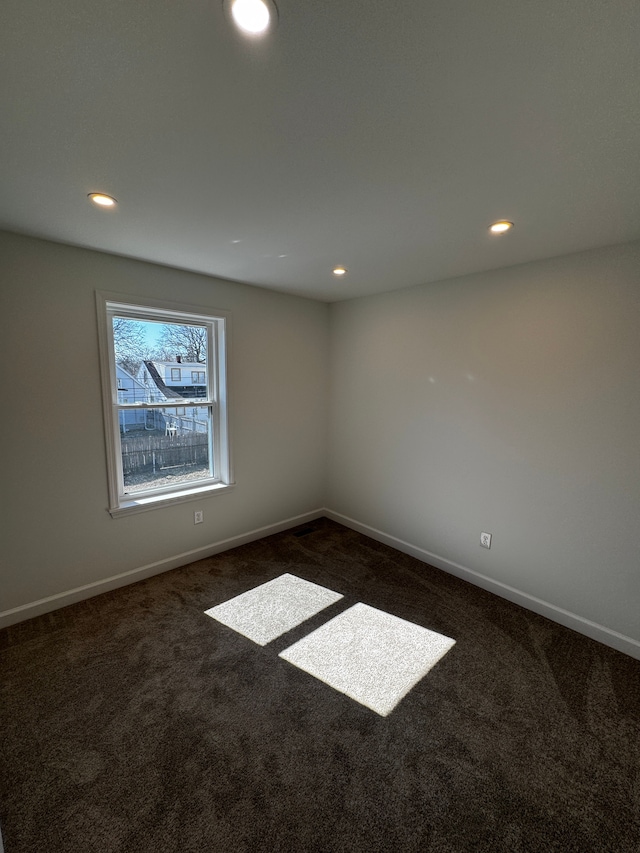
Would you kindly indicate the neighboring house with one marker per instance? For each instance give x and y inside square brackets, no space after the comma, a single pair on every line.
[188,379]
[130,390]
[172,381]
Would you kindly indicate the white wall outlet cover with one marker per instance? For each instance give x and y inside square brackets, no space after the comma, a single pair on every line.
[485,540]
[198,516]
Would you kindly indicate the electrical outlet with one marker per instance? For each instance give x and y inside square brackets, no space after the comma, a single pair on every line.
[198,516]
[485,540]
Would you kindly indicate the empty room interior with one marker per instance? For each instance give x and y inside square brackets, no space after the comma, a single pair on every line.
[320,430]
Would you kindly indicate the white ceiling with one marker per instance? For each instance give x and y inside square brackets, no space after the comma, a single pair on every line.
[383,136]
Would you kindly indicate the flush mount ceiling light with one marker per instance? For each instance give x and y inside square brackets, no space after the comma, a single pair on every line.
[501,226]
[253,17]
[339,271]
[102,200]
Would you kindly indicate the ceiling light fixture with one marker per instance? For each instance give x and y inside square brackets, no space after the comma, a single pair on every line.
[253,17]
[339,271]
[102,200]
[501,226]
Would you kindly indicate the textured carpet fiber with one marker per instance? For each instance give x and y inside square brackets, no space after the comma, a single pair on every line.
[369,655]
[136,723]
[273,608]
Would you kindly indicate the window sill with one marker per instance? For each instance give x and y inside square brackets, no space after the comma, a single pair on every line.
[133,505]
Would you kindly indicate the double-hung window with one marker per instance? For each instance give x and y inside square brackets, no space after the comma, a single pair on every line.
[164,444]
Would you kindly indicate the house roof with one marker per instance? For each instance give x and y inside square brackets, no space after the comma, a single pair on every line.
[382,136]
[160,384]
[120,371]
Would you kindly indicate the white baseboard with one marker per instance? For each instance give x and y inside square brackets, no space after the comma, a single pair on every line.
[604,635]
[80,593]
[607,636]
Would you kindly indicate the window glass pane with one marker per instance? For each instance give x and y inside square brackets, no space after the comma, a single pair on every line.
[163,448]
[158,361]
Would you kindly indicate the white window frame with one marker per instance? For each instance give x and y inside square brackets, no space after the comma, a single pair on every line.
[218,325]
[178,374]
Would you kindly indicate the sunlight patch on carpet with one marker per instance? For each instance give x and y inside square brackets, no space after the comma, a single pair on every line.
[273,608]
[370,656]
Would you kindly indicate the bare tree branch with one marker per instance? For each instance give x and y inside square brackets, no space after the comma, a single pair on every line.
[188,342]
[129,342]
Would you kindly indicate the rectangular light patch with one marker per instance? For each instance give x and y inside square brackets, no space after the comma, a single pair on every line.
[272,609]
[369,655]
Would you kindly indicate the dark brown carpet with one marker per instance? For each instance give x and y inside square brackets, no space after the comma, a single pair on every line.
[134,723]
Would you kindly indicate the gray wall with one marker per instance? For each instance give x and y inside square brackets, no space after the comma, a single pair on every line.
[507,402]
[56,532]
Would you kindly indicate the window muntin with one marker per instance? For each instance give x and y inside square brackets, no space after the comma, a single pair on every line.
[162,440]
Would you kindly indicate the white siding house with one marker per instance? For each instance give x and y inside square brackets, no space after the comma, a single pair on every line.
[189,379]
[170,382]
[130,390]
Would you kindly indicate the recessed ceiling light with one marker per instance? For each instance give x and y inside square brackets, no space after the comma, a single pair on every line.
[501,226]
[339,271]
[102,200]
[253,17]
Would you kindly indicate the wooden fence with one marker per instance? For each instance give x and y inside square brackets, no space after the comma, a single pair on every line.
[142,452]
